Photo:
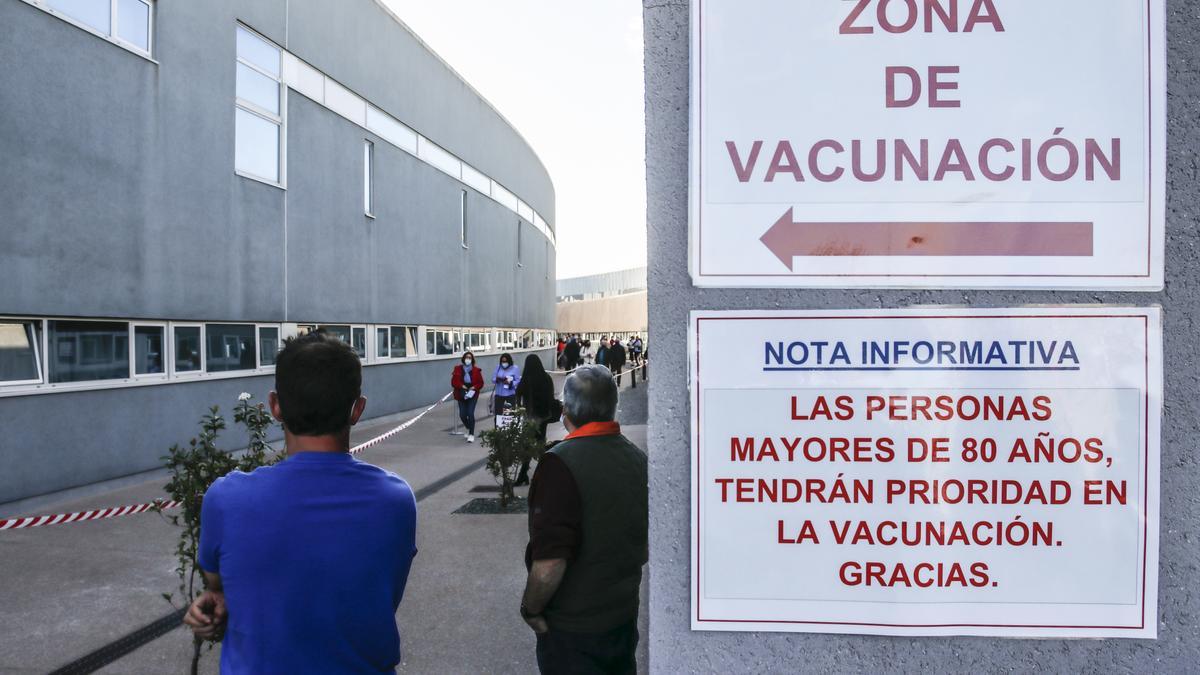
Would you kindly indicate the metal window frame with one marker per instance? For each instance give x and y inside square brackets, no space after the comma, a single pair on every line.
[111,35]
[187,374]
[365,328]
[411,352]
[280,120]
[462,220]
[258,327]
[519,262]
[115,23]
[375,344]
[204,347]
[168,347]
[38,344]
[368,178]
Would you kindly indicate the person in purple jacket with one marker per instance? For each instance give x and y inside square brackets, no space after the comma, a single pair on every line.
[507,377]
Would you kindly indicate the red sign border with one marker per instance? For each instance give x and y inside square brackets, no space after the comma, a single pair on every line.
[1145,476]
[1149,177]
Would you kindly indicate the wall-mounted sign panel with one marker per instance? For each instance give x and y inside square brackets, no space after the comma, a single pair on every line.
[927,143]
[927,472]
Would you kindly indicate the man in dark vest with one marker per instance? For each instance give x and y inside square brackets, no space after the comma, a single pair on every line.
[616,358]
[587,537]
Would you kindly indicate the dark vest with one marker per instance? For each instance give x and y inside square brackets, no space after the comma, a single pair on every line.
[599,591]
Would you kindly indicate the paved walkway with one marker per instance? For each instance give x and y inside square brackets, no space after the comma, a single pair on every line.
[68,590]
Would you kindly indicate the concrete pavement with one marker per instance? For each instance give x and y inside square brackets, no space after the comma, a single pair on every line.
[71,589]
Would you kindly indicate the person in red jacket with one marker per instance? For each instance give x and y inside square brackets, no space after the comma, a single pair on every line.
[467,382]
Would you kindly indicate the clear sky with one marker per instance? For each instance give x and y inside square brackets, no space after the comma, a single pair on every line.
[568,76]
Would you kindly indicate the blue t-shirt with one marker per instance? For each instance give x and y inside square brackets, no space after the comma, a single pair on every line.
[313,554]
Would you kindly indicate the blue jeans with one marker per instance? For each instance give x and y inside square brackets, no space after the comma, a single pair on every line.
[466,413]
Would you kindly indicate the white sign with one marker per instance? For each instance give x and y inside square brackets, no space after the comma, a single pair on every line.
[927,472]
[928,143]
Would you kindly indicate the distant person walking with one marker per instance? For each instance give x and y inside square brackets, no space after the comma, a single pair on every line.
[585,354]
[535,393]
[587,537]
[571,354]
[616,358]
[602,352]
[562,345]
[635,350]
[306,561]
[466,382]
[506,377]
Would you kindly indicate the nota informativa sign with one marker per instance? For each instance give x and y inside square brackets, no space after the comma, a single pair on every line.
[928,143]
[927,472]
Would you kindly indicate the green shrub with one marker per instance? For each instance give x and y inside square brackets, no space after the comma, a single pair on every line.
[509,447]
[195,467]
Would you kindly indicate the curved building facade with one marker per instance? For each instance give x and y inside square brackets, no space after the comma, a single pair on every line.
[187,183]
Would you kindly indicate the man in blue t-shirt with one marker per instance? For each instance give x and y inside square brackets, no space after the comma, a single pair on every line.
[305,562]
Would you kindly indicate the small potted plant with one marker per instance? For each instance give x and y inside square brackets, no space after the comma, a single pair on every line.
[510,443]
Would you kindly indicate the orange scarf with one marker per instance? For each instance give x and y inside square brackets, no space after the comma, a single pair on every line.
[595,429]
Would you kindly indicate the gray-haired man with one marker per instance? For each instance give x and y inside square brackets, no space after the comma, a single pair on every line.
[587,537]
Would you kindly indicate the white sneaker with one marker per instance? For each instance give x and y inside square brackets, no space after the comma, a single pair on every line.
[470,438]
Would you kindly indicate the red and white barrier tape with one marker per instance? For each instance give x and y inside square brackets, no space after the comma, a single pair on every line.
[81,516]
[379,439]
[117,511]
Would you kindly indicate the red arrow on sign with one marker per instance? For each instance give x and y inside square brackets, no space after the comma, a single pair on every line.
[788,238]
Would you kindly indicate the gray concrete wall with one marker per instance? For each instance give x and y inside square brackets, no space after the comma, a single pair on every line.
[673,646]
[118,198]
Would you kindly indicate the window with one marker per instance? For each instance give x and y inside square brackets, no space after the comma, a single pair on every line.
[462,218]
[268,345]
[20,352]
[230,347]
[368,178]
[88,350]
[519,263]
[359,341]
[381,343]
[133,23]
[340,332]
[187,349]
[258,128]
[149,357]
[127,22]
[442,342]
[94,13]
[404,342]
[476,340]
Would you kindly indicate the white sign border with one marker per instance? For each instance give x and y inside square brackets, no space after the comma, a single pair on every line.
[1152,281]
[1151,508]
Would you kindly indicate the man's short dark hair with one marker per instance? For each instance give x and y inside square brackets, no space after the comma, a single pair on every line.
[590,395]
[317,378]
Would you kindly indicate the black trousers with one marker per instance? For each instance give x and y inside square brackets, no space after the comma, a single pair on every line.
[563,653]
[523,477]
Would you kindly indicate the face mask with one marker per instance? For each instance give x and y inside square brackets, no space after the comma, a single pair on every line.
[467,362]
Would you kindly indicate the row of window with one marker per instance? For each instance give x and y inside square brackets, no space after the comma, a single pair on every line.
[126,22]
[38,352]
[264,73]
